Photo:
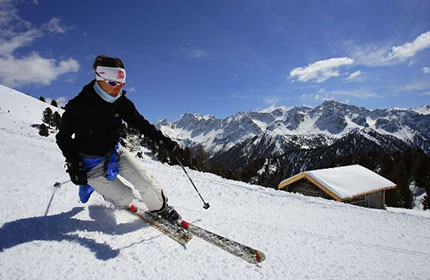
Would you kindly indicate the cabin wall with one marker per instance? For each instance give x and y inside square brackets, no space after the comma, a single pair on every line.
[375,200]
[359,201]
[305,187]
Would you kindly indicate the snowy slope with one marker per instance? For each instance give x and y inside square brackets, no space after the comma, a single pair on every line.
[303,238]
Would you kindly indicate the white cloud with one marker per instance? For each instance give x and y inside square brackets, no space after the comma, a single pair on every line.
[369,55]
[360,93]
[61,101]
[33,69]
[324,94]
[354,75]
[190,52]
[55,26]
[271,100]
[374,55]
[196,53]
[8,44]
[321,70]
[412,48]
[9,14]
[426,70]
[415,86]
[28,68]
[316,97]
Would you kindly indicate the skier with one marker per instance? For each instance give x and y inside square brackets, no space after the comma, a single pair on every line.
[94,157]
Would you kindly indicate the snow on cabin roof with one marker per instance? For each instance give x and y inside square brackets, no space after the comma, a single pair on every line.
[343,183]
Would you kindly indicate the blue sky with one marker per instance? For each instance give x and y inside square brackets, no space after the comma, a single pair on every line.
[221,57]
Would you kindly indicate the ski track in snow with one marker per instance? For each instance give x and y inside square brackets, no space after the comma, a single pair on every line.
[302,237]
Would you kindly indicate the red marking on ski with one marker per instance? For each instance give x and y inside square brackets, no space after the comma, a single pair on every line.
[257,257]
[132,208]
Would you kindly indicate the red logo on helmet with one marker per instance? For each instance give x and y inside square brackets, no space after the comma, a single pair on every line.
[120,74]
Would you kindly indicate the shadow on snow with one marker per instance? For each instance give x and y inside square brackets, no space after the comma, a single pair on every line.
[61,227]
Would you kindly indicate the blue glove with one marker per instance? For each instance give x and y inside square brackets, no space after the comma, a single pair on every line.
[85,193]
[111,165]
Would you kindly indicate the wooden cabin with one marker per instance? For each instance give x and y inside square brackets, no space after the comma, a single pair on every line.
[352,184]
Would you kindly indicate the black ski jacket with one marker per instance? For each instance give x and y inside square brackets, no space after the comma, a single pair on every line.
[97,123]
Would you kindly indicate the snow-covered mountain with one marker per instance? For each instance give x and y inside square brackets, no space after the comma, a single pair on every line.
[279,130]
[302,237]
[425,110]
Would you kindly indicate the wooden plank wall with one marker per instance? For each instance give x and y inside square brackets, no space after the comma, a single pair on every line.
[376,200]
[305,187]
[373,200]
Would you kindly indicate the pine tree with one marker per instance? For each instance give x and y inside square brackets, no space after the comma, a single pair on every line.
[426,202]
[426,183]
[42,99]
[186,156]
[237,175]
[229,174]
[216,168]
[43,130]
[421,170]
[54,103]
[162,155]
[399,175]
[47,116]
[386,165]
[56,120]
[201,159]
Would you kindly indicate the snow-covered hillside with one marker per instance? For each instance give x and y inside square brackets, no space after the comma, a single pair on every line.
[302,237]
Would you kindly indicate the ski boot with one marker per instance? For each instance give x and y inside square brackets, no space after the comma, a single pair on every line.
[168,213]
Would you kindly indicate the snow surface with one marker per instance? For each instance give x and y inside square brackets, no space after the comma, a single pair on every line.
[302,237]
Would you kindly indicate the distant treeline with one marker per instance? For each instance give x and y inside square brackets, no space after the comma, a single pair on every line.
[405,169]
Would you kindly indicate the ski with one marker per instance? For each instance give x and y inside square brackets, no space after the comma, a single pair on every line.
[184,232]
[242,251]
[176,232]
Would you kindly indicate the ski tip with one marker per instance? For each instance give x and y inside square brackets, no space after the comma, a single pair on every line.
[259,257]
[132,208]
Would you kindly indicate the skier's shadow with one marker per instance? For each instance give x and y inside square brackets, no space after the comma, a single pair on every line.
[62,227]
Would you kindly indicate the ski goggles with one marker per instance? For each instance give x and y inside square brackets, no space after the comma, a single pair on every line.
[114,76]
[112,83]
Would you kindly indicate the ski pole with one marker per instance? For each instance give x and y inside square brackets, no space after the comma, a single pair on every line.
[57,185]
[205,204]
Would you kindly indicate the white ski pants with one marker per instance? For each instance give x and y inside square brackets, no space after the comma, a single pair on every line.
[120,194]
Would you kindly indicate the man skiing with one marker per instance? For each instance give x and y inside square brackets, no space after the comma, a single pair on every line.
[94,157]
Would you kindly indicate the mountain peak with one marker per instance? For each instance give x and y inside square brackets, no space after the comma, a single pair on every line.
[425,110]
[330,120]
[331,102]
